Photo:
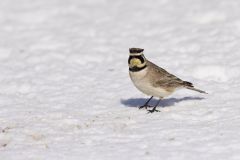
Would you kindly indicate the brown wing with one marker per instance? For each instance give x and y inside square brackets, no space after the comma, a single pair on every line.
[165,79]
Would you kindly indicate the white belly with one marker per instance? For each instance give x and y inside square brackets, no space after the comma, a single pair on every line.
[142,83]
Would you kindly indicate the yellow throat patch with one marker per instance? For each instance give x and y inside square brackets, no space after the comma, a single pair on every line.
[135,62]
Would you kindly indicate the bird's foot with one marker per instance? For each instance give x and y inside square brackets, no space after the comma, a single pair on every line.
[144,106]
[153,110]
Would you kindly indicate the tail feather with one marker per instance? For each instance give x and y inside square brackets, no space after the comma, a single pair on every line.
[198,90]
[190,86]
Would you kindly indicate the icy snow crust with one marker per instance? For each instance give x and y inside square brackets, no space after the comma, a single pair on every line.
[65,92]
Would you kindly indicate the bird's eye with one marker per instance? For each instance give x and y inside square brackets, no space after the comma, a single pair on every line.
[129,59]
[141,59]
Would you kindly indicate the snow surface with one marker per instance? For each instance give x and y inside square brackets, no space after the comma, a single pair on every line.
[65,92]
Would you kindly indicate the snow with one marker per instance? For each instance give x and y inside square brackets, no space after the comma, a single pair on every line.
[65,92]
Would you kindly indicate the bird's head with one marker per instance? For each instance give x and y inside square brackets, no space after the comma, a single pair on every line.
[136,58]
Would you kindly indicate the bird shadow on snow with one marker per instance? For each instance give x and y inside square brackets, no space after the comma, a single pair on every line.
[136,102]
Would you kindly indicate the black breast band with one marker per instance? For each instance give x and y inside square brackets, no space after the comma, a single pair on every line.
[136,69]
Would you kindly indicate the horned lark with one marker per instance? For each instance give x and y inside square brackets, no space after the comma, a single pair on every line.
[153,80]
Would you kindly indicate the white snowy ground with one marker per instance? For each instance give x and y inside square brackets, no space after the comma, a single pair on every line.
[65,92]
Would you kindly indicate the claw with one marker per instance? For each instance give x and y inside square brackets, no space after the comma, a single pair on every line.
[153,110]
[144,106]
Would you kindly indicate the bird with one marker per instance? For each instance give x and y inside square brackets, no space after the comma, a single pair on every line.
[153,80]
